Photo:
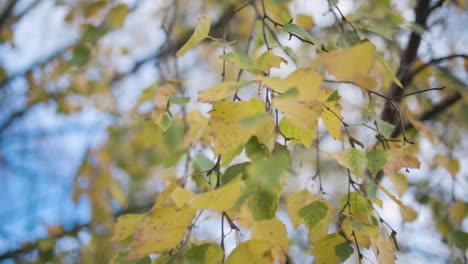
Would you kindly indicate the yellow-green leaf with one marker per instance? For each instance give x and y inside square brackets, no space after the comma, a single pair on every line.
[203,253]
[252,252]
[376,160]
[269,60]
[180,196]
[296,201]
[291,131]
[324,250]
[221,199]
[273,231]
[201,32]
[389,71]
[162,229]
[400,183]
[117,15]
[313,213]
[331,114]
[126,225]
[351,158]
[220,91]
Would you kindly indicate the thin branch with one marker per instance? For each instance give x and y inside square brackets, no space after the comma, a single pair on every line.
[431,62]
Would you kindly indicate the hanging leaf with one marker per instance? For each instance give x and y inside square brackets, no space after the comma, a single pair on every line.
[343,251]
[181,196]
[117,15]
[201,32]
[120,258]
[293,28]
[233,171]
[162,229]
[331,115]
[389,71]
[295,202]
[205,252]
[251,251]
[263,203]
[351,158]
[269,60]
[243,61]
[313,213]
[451,165]
[324,251]
[385,128]
[221,199]
[376,160]
[400,183]
[291,131]
[400,158]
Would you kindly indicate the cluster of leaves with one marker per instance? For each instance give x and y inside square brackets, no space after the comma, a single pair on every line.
[239,157]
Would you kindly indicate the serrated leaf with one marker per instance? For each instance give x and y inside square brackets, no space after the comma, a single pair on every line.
[324,250]
[376,160]
[220,91]
[126,225]
[203,253]
[162,229]
[347,229]
[229,135]
[251,251]
[201,32]
[313,213]
[342,64]
[269,60]
[360,207]
[221,199]
[389,71]
[117,15]
[291,131]
[273,231]
[343,251]
[351,158]
[243,61]
[295,202]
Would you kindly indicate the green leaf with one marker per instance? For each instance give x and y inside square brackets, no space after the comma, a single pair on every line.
[293,28]
[376,160]
[343,251]
[179,100]
[325,250]
[205,253]
[333,97]
[351,39]
[255,150]
[242,60]
[269,172]
[117,15]
[389,71]
[120,257]
[233,171]
[313,213]
[351,158]
[164,122]
[92,33]
[81,56]
[385,128]
[201,32]
[460,239]
[263,203]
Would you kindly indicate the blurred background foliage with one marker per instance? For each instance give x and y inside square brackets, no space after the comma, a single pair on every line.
[95,112]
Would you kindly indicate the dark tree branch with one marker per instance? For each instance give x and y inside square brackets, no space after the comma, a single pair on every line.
[8,11]
[413,73]
[11,119]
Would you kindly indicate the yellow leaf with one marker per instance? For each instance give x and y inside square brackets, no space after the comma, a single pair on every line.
[324,250]
[331,114]
[201,32]
[275,233]
[165,195]
[292,132]
[400,183]
[180,196]
[302,115]
[269,60]
[117,15]
[451,165]
[458,211]
[407,212]
[351,64]
[296,201]
[220,91]
[228,134]
[305,80]
[361,238]
[221,199]
[126,225]
[305,21]
[162,229]
[400,158]
[252,252]
[197,124]
[420,126]
[162,95]
[383,249]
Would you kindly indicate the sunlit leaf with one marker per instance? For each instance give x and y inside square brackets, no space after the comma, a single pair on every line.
[243,61]
[126,225]
[203,253]
[400,158]
[331,115]
[263,203]
[221,199]
[400,183]
[180,196]
[313,213]
[385,128]
[324,250]
[295,202]
[162,229]
[269,60]
[201,32]
[292,132]
[197,124]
